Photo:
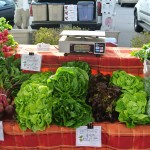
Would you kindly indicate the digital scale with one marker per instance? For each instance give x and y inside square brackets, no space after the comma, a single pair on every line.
[76,41]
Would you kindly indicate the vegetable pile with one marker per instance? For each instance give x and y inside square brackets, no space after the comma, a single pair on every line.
[7,42]
[34,104]
[11,79]
[59,98]
[102,96]
[72,96]
[133,102]
[70,86]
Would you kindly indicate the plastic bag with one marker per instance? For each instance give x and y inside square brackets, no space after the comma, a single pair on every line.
[146,69]
[146,72]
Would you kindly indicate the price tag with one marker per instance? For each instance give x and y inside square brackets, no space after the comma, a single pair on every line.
[42,47]
[31,62]
[88,137]
[1,132]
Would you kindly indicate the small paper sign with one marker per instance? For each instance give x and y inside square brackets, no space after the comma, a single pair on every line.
[42,47]
[31,62]
[88,137]
[1,132]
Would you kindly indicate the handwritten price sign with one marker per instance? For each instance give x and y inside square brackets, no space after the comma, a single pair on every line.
[88,137]
[31,62]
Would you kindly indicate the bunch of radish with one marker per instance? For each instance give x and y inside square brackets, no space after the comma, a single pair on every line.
[7,42]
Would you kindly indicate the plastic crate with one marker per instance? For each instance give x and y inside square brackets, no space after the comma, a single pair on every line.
[39,11]
[55,11]
[85,10]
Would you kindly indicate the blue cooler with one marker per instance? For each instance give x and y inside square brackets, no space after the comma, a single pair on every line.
[85,10]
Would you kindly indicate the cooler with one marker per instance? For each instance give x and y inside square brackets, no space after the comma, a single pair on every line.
[39,11]
[85,10]
[55,11]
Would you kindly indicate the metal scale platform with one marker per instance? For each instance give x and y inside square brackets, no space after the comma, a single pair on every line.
[76,41]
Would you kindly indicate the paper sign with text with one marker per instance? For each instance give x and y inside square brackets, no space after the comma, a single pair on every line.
[31,62]
[43,47]
[88,137]
[1,131]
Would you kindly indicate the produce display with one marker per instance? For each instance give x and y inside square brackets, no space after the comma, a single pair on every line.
[58,98]
[66,96]
[33,103]
[102,96]
[11,78]
[132,103]
[7,42]
[71,93]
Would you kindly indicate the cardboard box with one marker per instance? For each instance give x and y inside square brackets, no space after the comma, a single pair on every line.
[39,11]
[55,12]
[70,12]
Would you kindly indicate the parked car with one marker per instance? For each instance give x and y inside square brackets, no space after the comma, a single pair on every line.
[7,10]
[142,16]
[123,2]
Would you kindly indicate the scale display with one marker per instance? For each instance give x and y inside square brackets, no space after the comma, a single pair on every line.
[98,48]
[81,48]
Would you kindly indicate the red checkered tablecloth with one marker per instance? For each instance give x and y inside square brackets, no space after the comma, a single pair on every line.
[115,136]
[114,58]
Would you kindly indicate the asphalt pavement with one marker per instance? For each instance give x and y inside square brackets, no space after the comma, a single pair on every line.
[124,23]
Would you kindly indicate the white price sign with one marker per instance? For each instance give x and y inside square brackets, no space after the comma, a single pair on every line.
[88,137]
[31,62]
[43,47]
[1,131]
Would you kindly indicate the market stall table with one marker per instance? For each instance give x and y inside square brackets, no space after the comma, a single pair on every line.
[115,136]
[114,58]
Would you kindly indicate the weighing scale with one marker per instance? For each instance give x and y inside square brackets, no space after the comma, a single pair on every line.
[76,41]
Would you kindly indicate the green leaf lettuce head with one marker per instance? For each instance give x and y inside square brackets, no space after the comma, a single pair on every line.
[81,64]
[132,109]
[40,77]
[71,112]
[34,107]
[143,53]
[70,80]
[128,82]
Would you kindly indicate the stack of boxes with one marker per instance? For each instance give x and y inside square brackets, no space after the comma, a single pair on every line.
[82,11]
[108,14]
